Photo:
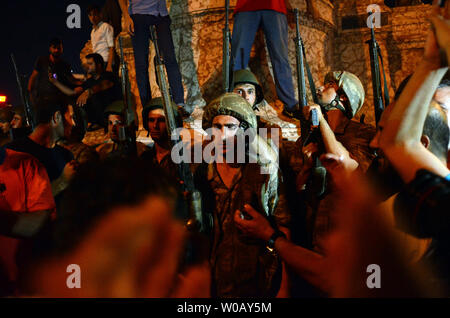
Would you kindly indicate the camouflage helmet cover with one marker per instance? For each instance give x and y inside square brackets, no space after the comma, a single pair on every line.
[352,88]
[230,104]
[247,77]
[117,108]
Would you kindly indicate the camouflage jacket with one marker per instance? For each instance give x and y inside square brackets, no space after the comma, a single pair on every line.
[241,266]
[355,139]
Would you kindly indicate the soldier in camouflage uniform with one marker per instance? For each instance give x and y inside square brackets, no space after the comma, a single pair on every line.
[247,85]
[341,97]
[241,267]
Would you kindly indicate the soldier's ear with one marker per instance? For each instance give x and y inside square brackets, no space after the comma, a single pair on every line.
[425,140]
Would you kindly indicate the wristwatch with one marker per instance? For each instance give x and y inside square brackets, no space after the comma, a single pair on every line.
[271,242]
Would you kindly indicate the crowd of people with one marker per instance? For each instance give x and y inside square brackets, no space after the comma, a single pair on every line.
[364,196]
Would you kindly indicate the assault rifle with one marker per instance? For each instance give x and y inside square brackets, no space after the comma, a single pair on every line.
[317,182]
[127,132]
[192,196]
[375,57]
[227,64]
[443,55]
[302,63]
[29,118]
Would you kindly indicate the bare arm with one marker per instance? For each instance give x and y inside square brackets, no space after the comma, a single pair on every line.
[32,80]
[335,147]
[22,225]
[102,86]
[400,140]
[63,88]
[332,145]
[110,60]
[306,263]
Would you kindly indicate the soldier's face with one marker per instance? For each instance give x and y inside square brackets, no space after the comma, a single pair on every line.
[157,124]
[17,121]
[225,129]
[248,91]
[114,123]
[327,93]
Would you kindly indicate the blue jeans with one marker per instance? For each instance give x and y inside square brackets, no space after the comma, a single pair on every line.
[275,28]
[141,41]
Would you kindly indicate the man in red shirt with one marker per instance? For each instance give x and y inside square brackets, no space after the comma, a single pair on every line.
[271,16]
[26,202]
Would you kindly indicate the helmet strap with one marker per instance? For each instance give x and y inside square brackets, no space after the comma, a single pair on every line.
[335,103]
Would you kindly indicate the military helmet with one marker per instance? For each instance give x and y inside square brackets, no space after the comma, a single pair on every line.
[247,77]
[352,88]
[230,104]
[116,108]
[155,103]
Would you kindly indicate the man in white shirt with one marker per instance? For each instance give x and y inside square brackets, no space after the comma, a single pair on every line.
[102,37]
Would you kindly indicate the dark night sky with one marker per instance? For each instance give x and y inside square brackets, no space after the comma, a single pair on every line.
[26,27]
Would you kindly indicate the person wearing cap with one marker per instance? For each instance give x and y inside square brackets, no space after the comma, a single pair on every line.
[240,267]
[114,117]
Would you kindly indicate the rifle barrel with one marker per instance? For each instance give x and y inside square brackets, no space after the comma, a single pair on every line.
[23,95]
[301,84]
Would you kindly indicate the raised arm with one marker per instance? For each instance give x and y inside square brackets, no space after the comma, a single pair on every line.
[400,139]
[63,88]
[331,144]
